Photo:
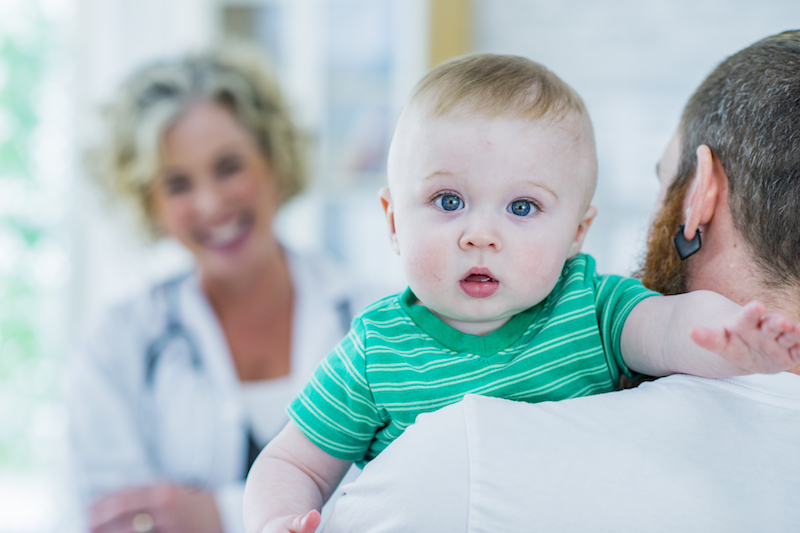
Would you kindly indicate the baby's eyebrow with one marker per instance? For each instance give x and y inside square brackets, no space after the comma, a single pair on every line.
[543,186]
[437,174]
[445,173]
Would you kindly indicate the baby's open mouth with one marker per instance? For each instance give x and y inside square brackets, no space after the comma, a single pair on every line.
[479,285]
[479,278]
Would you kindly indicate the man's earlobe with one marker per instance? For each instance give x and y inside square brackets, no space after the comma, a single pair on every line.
[385,197]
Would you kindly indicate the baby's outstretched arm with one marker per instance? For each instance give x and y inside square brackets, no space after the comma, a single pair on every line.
[705,334]
[288,484]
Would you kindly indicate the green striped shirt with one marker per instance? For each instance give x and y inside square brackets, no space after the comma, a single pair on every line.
[400,360]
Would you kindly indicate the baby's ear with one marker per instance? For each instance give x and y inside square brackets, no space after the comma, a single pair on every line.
[583,229]
[385,197]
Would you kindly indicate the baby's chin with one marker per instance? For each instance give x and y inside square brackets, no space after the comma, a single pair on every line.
[474,325]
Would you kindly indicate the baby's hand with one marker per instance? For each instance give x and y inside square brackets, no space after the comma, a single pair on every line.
[753,342]
[307,523]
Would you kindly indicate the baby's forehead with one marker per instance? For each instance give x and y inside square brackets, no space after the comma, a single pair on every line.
[420,124]
[422,132]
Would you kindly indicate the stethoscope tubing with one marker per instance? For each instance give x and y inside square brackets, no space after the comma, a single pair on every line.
[175,331]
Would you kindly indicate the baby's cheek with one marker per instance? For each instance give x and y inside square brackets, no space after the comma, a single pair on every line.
[424,265]
[542,273]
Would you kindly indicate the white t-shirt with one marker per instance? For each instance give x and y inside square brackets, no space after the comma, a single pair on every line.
[266,423]
[678,454]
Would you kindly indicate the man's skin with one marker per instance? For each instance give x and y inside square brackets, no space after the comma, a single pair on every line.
[723,264]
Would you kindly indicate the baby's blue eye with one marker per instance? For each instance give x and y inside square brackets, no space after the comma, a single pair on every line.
[521,208]
[449,202]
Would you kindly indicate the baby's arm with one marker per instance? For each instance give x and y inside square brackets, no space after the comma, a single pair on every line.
[705,334]
[288,484]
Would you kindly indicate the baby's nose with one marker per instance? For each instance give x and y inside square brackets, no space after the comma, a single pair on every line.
[481,237]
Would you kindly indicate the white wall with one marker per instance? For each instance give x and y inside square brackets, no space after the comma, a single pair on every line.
[114,37]
[635,64]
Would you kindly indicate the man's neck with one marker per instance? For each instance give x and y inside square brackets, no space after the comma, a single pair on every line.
[741,282]
[736,277]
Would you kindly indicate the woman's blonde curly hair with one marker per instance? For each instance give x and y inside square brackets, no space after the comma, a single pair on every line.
[150,101]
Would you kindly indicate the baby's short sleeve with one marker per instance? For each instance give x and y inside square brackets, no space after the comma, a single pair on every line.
[615,298]
[336,410]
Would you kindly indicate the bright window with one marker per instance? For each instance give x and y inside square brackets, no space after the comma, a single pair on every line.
[36,167]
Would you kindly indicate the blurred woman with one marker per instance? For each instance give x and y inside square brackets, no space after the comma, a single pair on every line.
[175,391]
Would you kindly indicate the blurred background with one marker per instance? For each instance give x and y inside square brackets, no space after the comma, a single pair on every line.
[347,66]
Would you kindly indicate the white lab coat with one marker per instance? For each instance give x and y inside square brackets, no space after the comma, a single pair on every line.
[189,426]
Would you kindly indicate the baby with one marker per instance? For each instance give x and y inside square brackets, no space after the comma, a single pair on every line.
[491,173]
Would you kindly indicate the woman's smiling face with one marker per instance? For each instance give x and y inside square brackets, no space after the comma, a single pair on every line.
[216,191]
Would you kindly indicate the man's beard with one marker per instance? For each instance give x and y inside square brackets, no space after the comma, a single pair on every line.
[663,271]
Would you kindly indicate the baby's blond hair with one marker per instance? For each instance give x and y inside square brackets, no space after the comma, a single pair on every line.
[498,86]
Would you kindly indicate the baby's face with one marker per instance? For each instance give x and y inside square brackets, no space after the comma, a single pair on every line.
[484,212]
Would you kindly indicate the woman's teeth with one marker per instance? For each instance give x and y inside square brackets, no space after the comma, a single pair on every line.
[225,234]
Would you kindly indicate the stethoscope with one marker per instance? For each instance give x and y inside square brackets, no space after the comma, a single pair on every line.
[174,335]
[175,332]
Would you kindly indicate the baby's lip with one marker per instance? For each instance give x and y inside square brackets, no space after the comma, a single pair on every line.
[479,283]
[479,275]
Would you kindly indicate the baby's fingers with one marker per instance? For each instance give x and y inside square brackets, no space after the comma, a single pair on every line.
[777,340]
[789,340]
[750,317]
[715,340]
[753,342]
[307,523]
[780,327]
[776,324]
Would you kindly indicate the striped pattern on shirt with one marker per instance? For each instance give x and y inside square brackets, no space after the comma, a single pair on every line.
[400,360]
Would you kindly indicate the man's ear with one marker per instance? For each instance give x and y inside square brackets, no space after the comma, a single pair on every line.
[583,229]
[385,197]
[705,188]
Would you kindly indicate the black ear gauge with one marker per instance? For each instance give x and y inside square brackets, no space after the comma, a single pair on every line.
[686,248]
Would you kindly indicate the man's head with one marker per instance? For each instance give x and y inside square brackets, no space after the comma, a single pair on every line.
[747,114]
[491,172]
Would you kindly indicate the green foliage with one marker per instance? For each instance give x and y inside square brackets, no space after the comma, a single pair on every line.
[24,65]
[23,69]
